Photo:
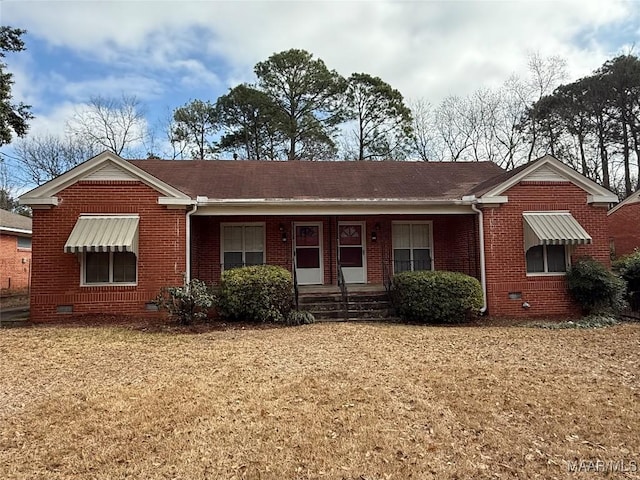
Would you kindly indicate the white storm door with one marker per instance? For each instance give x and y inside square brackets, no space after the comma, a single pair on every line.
[351,251]
[308,253]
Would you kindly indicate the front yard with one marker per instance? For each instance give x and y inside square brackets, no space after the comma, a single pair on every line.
[335,401]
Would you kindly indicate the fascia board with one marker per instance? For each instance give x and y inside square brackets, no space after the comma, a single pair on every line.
[593,189]
[633,198]
[76,174]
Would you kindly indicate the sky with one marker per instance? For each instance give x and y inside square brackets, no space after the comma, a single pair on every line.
[168,52]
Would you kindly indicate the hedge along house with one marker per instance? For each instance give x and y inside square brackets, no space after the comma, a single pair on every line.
[110,233]
[624,225]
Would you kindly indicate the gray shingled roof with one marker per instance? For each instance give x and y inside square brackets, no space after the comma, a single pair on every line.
[14,221]
[222,179]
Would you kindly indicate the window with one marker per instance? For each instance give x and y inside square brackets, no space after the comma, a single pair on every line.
[242,245]
[109,267]
[24,243]
[411,247]
[547,259]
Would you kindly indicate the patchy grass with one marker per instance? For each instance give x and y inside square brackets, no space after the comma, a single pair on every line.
[335,401]
[590,321]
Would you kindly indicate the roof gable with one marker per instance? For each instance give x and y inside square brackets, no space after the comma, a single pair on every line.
[106,166]
[544,169]
[110,171]
[631,199]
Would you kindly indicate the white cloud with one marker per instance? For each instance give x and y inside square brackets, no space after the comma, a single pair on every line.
[54,121]
[111,86]
[425,49]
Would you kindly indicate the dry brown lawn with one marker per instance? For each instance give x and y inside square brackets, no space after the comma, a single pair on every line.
[325,401]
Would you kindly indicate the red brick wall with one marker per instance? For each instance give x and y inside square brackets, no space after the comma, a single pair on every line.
[56,275]
[455,242]
[206,261]
[505,256]
[15,264]
[624,229]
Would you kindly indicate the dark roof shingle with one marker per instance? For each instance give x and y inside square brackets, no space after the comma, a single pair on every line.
[226,179]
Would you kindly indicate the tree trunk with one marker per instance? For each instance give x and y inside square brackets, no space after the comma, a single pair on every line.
[625,157]
[583,158]
[533,141]
[604,158]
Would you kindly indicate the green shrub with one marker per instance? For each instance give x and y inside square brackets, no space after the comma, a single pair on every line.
[436,297]
[628,267]
[299,317]
[594,287]
[261,293]
[187,303]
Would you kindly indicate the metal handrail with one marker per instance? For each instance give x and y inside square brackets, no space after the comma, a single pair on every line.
[343,290]
[296,290]
[386,275]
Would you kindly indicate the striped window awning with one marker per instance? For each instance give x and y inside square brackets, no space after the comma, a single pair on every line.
[104,233]
[553,228]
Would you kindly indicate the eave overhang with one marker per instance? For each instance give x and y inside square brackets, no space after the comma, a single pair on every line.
[16,231]
[331,206]
[596,194]
[44,196]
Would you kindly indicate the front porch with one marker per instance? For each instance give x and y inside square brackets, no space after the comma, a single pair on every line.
[365,250]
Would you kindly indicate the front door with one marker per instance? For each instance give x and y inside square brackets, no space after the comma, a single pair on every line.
[351,251]
[307,253]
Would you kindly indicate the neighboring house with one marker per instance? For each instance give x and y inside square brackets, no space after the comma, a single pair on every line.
[110,232]
[624,225]
[15,251]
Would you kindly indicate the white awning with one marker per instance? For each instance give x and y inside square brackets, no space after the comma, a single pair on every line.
[104,233]
[553,228]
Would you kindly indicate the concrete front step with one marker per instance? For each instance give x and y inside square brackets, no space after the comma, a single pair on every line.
[371,306]
[351,305]
[382,313]
[338,298]
[390,319]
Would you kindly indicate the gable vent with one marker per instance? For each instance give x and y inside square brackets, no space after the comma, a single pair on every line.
[545,174]
[110,172]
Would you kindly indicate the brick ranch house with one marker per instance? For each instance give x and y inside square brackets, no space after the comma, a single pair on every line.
[109,233]
[15,252]
[624,225]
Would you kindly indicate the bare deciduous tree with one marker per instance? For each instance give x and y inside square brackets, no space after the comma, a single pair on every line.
[114,124]
[426,140]
[44,157]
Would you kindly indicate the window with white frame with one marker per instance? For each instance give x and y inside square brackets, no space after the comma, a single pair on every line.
[547,259]
[109,268]
[242,244]
[412,246]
